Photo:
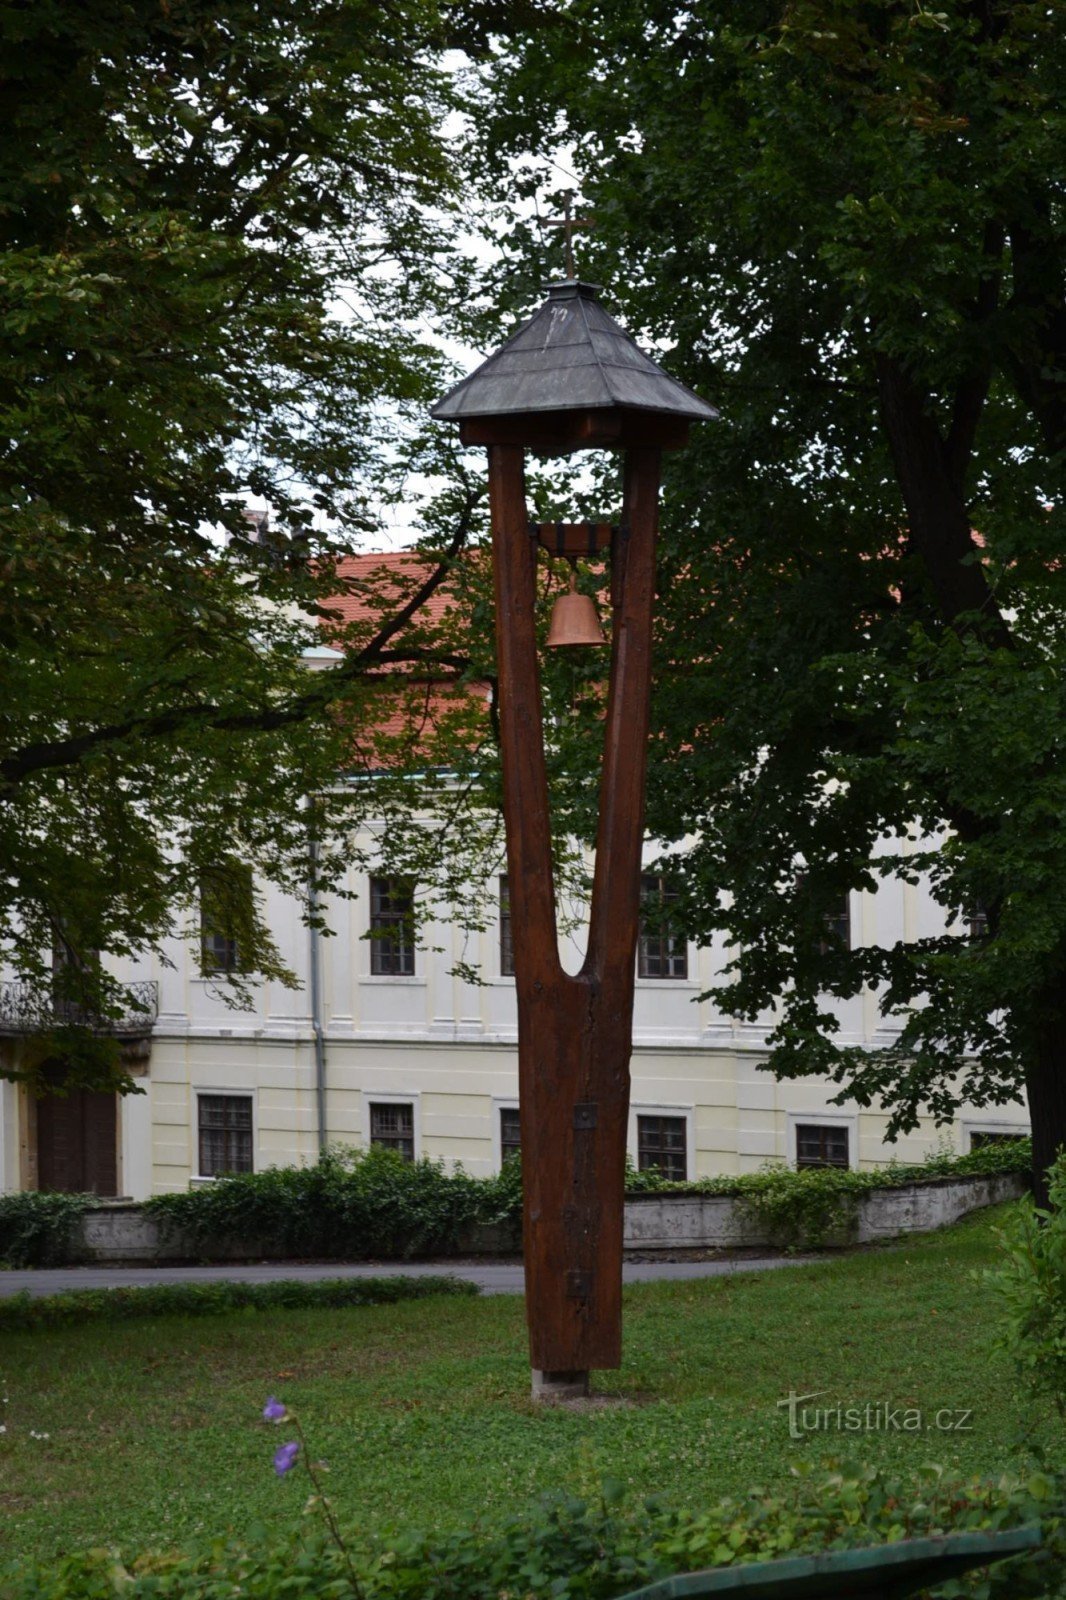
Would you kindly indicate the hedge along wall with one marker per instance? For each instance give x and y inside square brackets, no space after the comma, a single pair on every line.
[372,1205]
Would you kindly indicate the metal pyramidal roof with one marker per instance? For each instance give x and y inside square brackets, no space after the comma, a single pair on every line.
[569,356]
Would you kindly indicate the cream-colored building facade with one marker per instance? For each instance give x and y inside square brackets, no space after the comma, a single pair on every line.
[421,1059]
[427,1061]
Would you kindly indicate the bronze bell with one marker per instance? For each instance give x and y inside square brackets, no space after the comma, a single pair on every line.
[574,619]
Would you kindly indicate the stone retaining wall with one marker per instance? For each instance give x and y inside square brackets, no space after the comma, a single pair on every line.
[655,1224]
[659,1223]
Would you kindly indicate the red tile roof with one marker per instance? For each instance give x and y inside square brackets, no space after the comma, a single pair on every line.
[420,709]
[377,584]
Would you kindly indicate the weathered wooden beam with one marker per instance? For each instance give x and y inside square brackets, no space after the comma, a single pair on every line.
[574,1032]
[573,538]
[561,432]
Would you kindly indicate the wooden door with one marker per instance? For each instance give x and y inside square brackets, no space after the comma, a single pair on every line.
[77,1141]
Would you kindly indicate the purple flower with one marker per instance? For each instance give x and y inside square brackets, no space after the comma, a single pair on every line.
[285,1457]
[274,1411]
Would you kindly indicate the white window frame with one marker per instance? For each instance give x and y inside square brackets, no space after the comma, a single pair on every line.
[391,1098]
[408,980]
[970,1125]
[687,1112]
[505,1103]
[689,981]
[499,974]
[221,975]
[818,1119]
[197,1177]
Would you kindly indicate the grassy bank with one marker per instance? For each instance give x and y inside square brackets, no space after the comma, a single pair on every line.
[421,1409]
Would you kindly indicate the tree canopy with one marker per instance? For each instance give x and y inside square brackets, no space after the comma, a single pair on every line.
[843,223]
[216,226]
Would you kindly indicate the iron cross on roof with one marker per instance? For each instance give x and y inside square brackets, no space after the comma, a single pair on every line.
[569,223]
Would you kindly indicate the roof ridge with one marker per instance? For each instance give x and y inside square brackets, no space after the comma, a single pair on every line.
[562,369]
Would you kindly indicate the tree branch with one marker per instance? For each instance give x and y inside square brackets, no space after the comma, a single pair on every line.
[328,687]
[1037,366]
[937,514]
[972,392]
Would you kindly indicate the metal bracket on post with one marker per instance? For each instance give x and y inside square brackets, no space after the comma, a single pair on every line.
[573,539]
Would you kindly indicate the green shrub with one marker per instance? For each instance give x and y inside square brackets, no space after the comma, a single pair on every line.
[27,1313]
[352,1203]
[1002,1155]
[569,1549]
[502,1201]
[806,1209]
[37,1230]
[1031,1285]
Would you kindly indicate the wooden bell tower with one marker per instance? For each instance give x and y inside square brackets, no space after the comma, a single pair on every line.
[571,379]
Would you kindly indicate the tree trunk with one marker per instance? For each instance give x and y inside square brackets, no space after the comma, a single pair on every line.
[1045,1082]
[931,473]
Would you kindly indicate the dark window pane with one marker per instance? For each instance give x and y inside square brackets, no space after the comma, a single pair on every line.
[978,1141]
[392,948]
[836,921]
[75,981]
[65,957]
[225,907]
[392,1127]
[661,953]
[661,1145]
[225,1134]
[837,927]
[506,943]
[821,1145]
[510,1132]
[220,953]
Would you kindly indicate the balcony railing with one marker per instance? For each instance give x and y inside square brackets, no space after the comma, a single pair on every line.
[26,1009]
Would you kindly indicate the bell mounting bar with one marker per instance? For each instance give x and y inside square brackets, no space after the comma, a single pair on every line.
[573,538]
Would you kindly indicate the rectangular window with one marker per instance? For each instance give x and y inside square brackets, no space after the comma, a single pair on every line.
[506,945]
[392,945]
[75,981]
[977,923]
[661,1145]
[821,1145]
[837,922]
[979,1139]
[392,1127]
[661,953]
[510,1133]
[225,1134]
[225,909]
[68,958]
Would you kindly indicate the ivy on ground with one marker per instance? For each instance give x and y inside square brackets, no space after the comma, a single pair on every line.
[572,1549]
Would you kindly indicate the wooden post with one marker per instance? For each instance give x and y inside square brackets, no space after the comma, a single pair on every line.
[574,1033]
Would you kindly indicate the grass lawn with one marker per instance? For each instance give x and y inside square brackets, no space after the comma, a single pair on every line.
[422,1409]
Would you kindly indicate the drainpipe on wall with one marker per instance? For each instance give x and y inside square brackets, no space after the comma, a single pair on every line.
[316,997]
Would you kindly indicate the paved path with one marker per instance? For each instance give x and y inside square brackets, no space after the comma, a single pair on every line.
[491,1277]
